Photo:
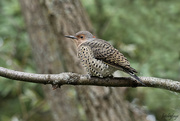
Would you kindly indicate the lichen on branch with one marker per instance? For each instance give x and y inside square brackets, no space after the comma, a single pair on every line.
[69,78]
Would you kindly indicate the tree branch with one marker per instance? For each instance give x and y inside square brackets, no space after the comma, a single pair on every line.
[77,79]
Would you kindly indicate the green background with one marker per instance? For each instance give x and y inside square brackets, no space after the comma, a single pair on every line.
[147,32]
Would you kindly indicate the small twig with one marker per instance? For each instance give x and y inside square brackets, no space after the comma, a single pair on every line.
[77,79]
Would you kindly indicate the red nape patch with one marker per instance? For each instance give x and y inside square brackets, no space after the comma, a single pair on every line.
[94,36]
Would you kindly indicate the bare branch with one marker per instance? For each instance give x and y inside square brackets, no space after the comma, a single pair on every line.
[77,79]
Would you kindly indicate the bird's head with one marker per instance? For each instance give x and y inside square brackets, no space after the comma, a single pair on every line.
[81,37]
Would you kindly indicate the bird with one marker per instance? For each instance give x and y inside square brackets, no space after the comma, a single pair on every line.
[99,57]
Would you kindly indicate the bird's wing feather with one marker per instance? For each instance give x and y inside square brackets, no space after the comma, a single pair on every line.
[104,51]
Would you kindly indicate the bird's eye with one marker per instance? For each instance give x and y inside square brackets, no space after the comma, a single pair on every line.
[81,37]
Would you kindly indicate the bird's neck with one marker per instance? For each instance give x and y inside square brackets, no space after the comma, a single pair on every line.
[79,42]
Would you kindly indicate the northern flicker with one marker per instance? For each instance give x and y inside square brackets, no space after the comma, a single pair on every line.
[99,57]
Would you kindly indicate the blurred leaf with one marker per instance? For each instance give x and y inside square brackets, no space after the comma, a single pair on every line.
[147,33]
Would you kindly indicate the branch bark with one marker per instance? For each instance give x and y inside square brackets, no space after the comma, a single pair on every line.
[69,78]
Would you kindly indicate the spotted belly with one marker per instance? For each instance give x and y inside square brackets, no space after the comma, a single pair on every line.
[98,68]
[94,66]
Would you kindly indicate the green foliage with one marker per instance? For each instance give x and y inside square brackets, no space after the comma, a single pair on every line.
[18,100]
[147,32]
[152,26]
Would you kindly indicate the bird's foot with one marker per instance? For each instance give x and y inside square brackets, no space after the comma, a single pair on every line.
[88,76]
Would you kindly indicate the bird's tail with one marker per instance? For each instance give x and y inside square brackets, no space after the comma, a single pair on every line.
[137,78]
[131,71]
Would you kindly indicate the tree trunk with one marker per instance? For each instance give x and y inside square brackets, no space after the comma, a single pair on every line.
[47,22]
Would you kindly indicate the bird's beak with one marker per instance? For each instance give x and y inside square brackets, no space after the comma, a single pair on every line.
[70,36]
